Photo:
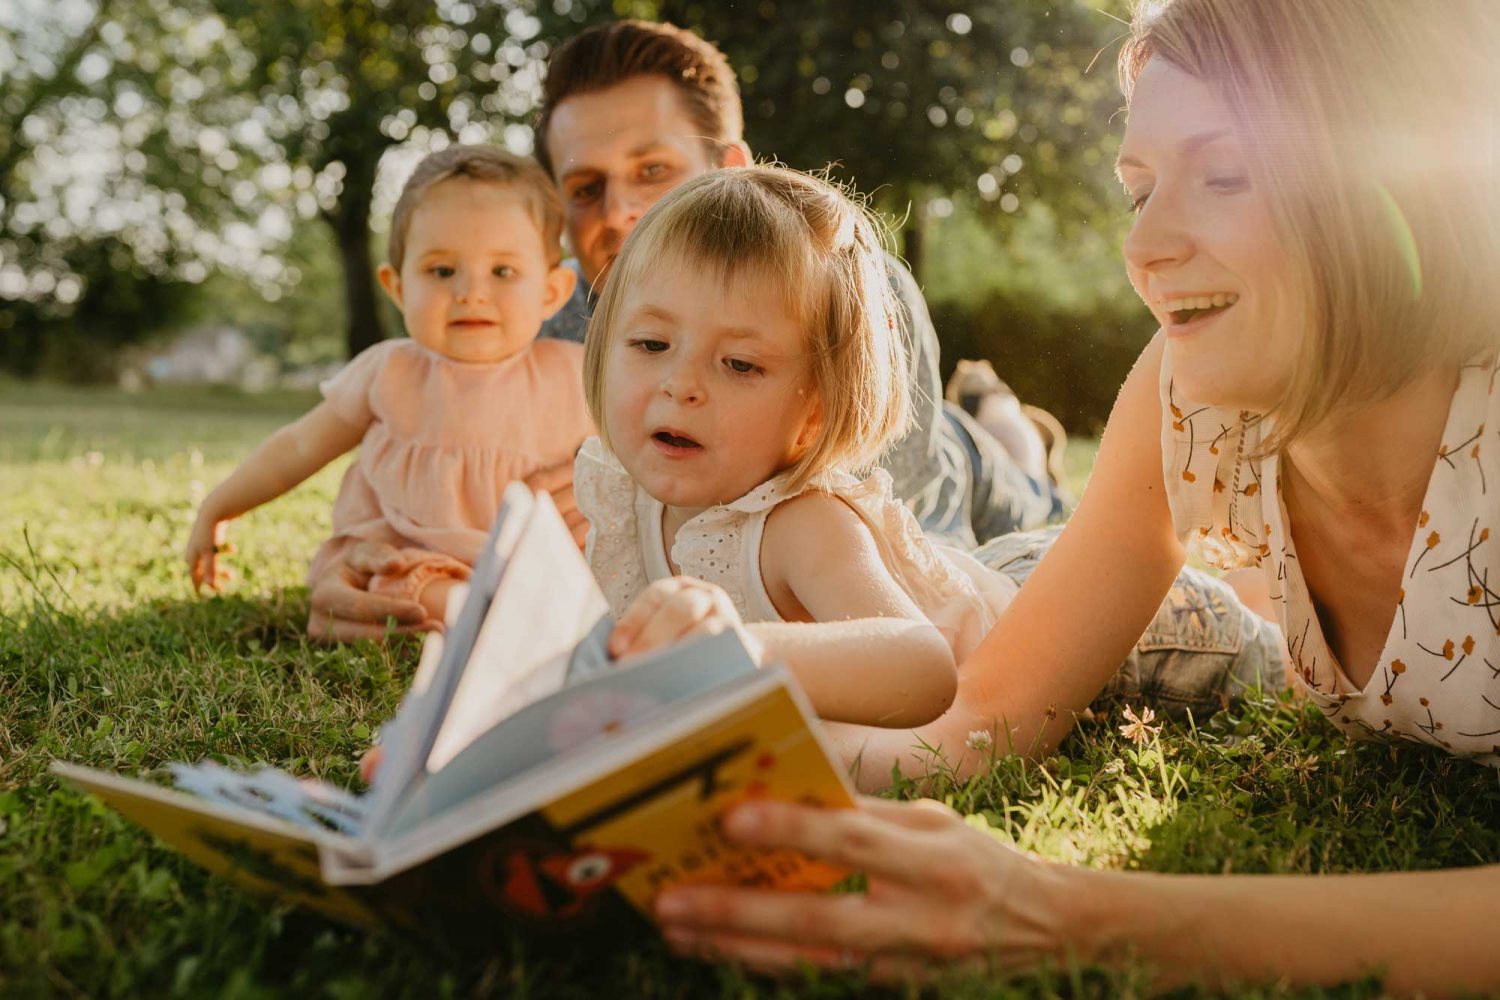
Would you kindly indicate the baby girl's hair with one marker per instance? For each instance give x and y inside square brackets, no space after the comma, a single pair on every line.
[489,165]
[824,252]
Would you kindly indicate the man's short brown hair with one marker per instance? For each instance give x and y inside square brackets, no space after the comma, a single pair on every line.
[489,165]
[610,54]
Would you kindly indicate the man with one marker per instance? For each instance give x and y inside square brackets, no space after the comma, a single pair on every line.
[632,109]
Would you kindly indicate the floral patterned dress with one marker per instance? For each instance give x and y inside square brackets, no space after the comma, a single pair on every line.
[1438,677]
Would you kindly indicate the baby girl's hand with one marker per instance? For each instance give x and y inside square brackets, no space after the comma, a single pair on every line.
[205,545]
[558,481]
[671,610]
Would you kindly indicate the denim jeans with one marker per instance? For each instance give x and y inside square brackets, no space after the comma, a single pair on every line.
[1203,649]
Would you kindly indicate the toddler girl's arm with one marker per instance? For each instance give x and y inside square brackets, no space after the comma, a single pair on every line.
[277,465]
[868,655]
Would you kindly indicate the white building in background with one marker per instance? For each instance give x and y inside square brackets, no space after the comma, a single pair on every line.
[216,355]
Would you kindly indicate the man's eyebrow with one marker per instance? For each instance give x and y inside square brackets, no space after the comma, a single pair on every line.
[649,147]
[1187,147]
[644,149]
[573,172]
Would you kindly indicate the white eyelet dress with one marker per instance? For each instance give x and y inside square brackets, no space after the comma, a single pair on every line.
[626,550]
[1438,677]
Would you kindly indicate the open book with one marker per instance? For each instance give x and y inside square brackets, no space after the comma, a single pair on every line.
[526,777]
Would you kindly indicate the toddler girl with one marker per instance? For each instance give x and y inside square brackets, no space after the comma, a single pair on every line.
[744,367]
[446,418]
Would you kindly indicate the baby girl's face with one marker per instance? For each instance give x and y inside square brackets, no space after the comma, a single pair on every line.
[708,390]
[476,283]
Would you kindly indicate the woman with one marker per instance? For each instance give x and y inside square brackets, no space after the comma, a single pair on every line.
[1318,234]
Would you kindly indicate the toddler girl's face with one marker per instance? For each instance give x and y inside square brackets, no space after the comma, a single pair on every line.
[708,390]
[476,283]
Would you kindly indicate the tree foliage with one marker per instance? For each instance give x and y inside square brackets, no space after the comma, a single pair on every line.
[228,123]
[110,199]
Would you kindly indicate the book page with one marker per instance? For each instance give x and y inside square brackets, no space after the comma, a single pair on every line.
[408,736]
[303,802]
[583,718]
[546,604]
[265,855]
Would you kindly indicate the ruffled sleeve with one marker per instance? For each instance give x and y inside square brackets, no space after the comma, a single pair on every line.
[1213,484]
[606,494]
[349,390]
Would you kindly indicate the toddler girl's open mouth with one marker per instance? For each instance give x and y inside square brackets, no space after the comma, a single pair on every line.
[675,444]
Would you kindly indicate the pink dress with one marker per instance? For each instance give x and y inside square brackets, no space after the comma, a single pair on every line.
[443,440]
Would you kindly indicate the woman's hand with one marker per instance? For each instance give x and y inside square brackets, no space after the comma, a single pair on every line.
[942,895]
[671,610]
[205,545]
[343,610]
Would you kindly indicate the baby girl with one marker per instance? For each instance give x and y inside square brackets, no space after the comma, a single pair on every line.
[444,419]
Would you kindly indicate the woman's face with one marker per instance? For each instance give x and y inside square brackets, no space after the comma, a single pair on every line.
[1203,253]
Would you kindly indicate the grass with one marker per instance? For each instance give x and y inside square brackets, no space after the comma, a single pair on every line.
[107,658]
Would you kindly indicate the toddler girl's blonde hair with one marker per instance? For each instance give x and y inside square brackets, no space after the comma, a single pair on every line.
[1372,125]
[824,252]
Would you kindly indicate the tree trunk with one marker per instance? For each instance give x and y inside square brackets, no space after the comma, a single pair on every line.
[351,225]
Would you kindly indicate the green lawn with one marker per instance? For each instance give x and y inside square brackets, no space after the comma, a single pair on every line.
[107,658]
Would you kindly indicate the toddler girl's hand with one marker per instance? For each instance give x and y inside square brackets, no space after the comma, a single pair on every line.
[674,609]
[205,545]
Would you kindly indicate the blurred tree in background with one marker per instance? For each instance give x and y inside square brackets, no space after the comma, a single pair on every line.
[231,153]
[110,203]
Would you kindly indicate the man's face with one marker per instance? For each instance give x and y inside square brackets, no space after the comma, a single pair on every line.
[614,153]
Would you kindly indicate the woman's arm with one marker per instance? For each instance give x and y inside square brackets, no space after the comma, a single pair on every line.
[1076,618]
[943,896]
[278,464]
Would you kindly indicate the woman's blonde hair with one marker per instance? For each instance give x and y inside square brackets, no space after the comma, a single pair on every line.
[824,253]
[1372,124]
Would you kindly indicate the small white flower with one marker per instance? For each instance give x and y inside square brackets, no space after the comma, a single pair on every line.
[979,739]
[1139,730]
